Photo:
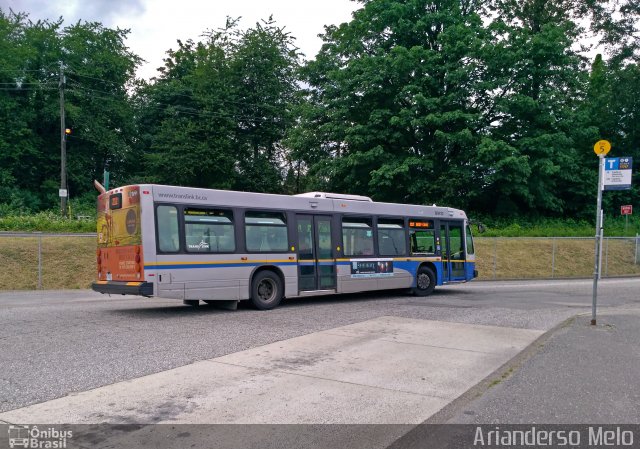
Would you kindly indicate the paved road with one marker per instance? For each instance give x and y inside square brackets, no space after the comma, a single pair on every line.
[56,343]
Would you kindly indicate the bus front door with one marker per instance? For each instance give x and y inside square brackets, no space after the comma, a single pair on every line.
[453,255]
[316,265]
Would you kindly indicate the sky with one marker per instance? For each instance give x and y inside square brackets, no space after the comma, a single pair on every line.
[156,25]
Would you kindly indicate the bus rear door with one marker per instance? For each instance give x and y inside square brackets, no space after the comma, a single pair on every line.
[316,264]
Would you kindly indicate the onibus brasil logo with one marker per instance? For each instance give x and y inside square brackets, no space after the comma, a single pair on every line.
[33,437]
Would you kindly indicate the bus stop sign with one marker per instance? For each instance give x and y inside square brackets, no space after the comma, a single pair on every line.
[626,210]
[602,147]
[617,173]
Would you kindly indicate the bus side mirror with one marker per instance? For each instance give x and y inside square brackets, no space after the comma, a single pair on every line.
[481,228]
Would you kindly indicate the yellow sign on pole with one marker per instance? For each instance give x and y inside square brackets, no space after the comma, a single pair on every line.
[602,147]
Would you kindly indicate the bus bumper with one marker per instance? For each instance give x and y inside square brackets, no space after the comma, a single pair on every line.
[123,288]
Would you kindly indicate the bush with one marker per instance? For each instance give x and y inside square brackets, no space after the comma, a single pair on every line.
[18,202]
[613,227]
[49,221]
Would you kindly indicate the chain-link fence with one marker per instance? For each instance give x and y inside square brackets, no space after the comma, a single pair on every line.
[31,261]
[35,261]
[555,257]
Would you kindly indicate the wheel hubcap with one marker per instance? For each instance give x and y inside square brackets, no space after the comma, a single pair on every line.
[423,281]
[266,290]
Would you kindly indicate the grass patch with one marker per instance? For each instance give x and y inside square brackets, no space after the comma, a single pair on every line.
[502,377]
[19,262]
[67,262]
[533,258]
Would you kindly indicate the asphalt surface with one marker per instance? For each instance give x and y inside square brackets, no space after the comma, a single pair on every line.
[56,343]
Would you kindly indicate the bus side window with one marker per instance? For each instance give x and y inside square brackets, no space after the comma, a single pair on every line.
[266,231]
[422,242]
[168,239]
[357,236]
[391,237]
[209,230]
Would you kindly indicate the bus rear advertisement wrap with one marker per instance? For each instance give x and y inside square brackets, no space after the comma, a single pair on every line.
[120,256]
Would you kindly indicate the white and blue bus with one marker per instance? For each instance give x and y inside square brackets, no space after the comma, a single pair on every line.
[208,245]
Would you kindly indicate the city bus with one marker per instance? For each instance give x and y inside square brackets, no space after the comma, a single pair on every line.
[194,244]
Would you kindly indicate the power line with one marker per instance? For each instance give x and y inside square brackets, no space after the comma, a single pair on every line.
[95,79]
[22,84]
[189,96]
[75,83]
[43,69]
[178,108]
[22,89]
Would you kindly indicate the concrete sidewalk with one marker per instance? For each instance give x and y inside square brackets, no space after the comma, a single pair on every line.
[387,370]
[582,374]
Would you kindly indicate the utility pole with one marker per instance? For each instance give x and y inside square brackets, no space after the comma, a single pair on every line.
[63,147]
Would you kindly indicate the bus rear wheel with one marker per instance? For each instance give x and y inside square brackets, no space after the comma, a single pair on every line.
[425,282]
[266,290]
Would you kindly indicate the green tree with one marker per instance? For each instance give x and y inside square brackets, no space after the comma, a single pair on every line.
[613,109]
[99,68]
[182,125]
[482,105]
[100,72]
[553,109]
[535,85]
[392,112]
[28,57]
[219,110]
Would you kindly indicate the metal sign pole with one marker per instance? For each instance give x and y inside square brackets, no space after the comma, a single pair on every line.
[601,148]
[596,269]
[626,223]
[600,252]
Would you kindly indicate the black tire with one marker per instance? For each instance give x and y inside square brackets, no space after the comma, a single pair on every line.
[425,282]
[266,290]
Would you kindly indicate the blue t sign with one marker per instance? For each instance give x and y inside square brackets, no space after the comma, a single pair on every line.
[612,163]
[617,173]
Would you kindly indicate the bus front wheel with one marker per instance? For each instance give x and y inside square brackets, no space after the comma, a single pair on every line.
[425,282]
[266,290]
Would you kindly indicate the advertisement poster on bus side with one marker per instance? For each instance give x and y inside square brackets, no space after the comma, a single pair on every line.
[367,268]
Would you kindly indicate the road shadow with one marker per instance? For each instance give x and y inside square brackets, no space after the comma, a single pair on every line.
[165,310]
[397,297]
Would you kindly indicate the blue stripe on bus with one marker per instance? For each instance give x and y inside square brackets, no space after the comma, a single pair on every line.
[410,266]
